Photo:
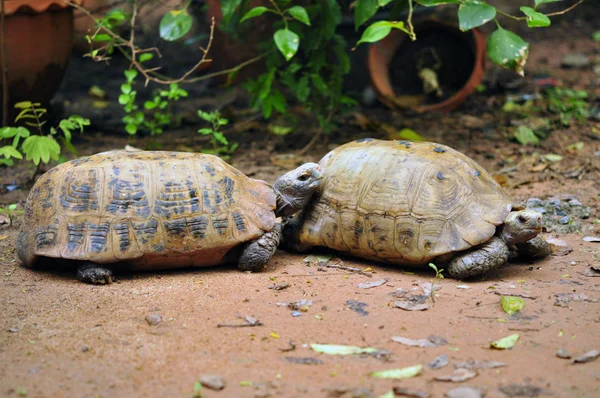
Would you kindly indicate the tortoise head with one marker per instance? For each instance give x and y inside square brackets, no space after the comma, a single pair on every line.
[295,188]
[521,226]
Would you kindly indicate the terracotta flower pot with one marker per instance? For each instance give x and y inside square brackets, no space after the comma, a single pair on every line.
[456,57]
[38,37]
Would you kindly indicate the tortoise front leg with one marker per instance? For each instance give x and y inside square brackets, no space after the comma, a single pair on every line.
[258,252]
[534,248]
[484,258]
[95,274]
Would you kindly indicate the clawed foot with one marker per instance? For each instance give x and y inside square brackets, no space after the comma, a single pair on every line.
[95,275]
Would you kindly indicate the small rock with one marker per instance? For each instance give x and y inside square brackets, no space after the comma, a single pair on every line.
[575,60]
[212,382]
[575,202]
[465,392]
[563,354]
[587,357]
[437,340]
[84,348]
[564,220]
[460,374]
[13,330]
[439,362]
[521,390]
[534,202]
[153,319]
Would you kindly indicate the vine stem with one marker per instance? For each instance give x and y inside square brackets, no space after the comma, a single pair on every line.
[4,69]
[552,14]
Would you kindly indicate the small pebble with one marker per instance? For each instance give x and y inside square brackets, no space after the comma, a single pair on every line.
[212,382]
[575,202]
[439,362]
[296,313]
[575,60]
[561,213]
[534,202]
[565,220]
[563,354]
[84,348]
[13,330]
[153,319]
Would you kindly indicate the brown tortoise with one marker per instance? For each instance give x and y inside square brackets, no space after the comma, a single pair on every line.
[412,203]
[156,210]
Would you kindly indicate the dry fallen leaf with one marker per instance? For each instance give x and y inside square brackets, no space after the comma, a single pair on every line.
[2,237]
[460,374]
[413,342]
[408,392]
[439,362]
[473,364]
[587,357]
[368,285]
[409,305]
[563,299]
[591,238]
[465,392]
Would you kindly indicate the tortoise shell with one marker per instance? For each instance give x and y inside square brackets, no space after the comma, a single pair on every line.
[402,202]
[151,209]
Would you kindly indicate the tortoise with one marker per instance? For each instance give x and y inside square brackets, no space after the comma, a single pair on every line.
[152,210]
[412,203]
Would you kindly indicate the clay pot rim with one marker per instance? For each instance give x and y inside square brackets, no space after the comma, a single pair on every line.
[35,6]
[380,57]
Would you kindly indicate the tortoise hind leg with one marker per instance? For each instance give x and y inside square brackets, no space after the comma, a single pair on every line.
[258,252]
[95,274]
[484,258]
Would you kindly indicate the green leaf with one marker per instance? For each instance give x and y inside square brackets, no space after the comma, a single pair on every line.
[228,8]
[511,304]
[150,105]
[101,37]
[364,10]
[146,57]
[401,373]
[124,99]
[130,74]
[205,131]
[596,36]
[535,19]
[255,12]
[38,147]
[287,42]
[506,342]
[9,151]
[508,50]
[319,84]
[23,105]
[525,136]
[175,24]
[131,128]
[9,132]
[538,2]
[334,349]
[378,30]
[474,13]
[383,3]
[126,88]
[280,130]
[299,13]
[431,3]
[552,157]
[409,134]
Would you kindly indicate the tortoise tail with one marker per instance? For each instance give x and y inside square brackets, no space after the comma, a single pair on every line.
[25,249]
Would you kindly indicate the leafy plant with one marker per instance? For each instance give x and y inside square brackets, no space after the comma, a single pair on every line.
[10,211]
[306,59]
[220,144]
[568,104]
[39,147]
[157,112]
[438,272]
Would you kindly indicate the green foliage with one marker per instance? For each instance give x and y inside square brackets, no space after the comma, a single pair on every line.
[568,104]
[220,144]
[438,272]
[504,48]
[38,148]
[156,113]
[306,61]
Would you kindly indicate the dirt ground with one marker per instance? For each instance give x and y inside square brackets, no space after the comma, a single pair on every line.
[158,334]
